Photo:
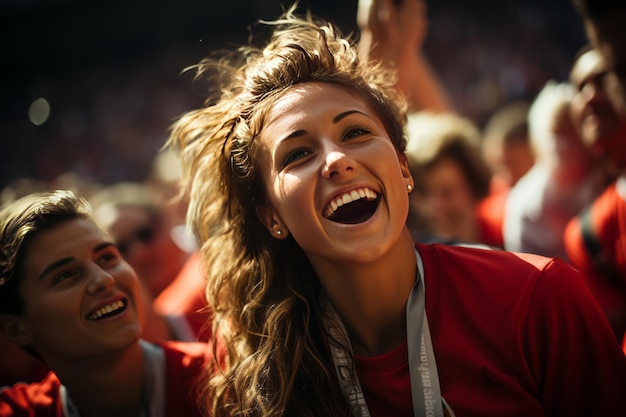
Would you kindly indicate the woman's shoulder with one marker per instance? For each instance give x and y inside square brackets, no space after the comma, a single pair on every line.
[483,256]
[498,272]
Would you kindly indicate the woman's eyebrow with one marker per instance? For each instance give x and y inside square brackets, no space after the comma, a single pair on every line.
[345,114]
[336,119]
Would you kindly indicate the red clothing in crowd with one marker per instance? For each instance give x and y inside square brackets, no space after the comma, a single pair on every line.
[490,217]
[607,220]
[183,303]
[513,335]
[184,362]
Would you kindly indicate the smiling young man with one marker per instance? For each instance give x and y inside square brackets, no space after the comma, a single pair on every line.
[68,297]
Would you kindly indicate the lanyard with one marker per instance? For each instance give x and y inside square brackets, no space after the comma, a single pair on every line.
[425,391]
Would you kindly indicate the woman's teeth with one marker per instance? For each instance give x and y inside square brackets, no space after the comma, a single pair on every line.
[350,197]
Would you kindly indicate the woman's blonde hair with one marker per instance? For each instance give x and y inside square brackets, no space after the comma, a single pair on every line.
[263,291]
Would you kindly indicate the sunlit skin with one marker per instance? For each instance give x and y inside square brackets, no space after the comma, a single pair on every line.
[320,141]
[75,271]
[593,113]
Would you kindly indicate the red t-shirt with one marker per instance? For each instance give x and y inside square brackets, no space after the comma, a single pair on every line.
[184,362]
[513,335]
[385,382]
[184,304]
[490,217]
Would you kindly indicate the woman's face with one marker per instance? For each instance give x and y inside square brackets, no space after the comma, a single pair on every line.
[333,177]
[80,297]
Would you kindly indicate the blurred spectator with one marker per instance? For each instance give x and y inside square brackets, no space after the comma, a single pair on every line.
[593,113]
[151,239]
[562,181]
[506,146]
[604,25]
[507,151]
[595,240]
[134,216]
[393,32]
[450,177]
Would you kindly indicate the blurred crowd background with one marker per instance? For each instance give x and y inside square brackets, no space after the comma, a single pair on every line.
[91,87]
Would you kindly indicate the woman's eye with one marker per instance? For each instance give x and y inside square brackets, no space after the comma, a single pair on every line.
[356,132]
[295,155]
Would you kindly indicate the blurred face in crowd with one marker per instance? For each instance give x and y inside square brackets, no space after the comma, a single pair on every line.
[517,158]
[145,243]
[608,34]
[573,156]
[448,201]
[81,298]
[593,113]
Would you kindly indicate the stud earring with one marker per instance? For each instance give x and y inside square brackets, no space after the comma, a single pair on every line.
[409,187]
[279,232]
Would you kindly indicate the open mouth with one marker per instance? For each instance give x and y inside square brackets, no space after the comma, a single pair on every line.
[354,207]
[109,310]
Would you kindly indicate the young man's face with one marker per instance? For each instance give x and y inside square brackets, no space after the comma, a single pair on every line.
[81,298]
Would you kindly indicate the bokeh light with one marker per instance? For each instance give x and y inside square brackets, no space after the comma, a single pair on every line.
[39,111]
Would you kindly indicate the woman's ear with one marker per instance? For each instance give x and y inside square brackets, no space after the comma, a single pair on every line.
[271,220]
[14,329]
[406,172]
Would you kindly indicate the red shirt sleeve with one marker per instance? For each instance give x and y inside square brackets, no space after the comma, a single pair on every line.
[185,365]
[608,224]
[571,348]
[37,399]
[519,335]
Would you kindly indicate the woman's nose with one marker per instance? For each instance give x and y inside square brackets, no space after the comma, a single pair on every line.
[336,163]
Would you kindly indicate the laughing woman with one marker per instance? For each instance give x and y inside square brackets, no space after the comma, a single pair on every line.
[299,194]
[68,298]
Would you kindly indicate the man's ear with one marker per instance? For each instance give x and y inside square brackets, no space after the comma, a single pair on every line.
[271,220]
[14,329]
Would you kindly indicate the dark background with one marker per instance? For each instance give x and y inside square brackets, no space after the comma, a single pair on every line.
[111,70]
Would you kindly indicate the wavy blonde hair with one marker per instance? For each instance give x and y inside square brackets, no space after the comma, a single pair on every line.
[263,291]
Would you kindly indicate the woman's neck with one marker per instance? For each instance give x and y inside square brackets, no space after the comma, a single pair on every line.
[371,298]
[106,386]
